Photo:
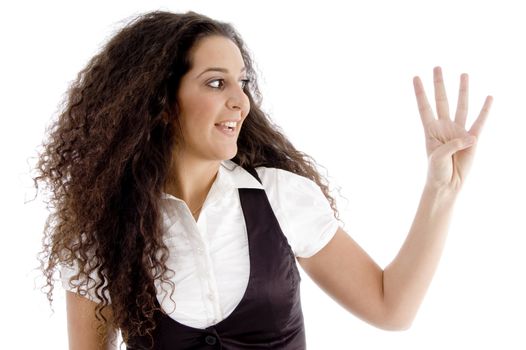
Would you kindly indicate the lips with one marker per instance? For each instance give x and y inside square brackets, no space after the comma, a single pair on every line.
[229,131]
[230,125]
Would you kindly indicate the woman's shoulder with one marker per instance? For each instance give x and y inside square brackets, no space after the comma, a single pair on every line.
[282,177]
[271,177]
[303,211]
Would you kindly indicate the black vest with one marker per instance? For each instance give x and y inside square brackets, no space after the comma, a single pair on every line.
[269,315]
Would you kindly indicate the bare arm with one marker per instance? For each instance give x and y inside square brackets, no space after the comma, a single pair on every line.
[388,299]
[82,325]
[407,278]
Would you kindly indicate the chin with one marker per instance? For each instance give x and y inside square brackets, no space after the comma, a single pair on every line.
[228,155]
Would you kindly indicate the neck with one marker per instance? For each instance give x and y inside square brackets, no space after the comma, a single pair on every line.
[190,180]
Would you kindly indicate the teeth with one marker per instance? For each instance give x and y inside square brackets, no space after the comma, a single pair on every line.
[229,124]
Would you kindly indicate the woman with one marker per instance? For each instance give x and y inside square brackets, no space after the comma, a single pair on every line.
[181,209]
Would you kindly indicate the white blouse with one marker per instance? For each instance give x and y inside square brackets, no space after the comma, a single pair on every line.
[210,257]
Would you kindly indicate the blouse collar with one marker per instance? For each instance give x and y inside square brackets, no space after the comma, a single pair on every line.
[230,176]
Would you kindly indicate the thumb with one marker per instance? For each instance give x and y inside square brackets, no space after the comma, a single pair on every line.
[455,145]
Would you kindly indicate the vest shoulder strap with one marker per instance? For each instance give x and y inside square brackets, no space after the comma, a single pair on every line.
[253,172]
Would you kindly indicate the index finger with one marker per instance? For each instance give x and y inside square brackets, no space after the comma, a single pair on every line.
[476,128]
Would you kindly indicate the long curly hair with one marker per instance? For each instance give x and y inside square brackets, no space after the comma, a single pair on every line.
[107,158]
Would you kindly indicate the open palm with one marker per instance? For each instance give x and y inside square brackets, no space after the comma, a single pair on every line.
[450,148]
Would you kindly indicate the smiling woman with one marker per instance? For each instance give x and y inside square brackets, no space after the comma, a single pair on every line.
[182,211]
[205,106]
[210,117]
[162,161]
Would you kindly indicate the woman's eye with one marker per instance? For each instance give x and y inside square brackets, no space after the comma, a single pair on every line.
[213,84]
[220,83]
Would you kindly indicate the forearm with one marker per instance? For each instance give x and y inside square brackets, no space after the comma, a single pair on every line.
[406,279]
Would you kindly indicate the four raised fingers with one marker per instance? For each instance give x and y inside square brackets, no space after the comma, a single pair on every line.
[426,114]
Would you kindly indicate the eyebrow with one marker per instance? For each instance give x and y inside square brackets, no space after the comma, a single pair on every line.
[218,69]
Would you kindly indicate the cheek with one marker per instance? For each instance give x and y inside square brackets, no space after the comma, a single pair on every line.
[199,112]
[207,110]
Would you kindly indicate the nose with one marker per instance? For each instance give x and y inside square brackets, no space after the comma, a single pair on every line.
[238,100]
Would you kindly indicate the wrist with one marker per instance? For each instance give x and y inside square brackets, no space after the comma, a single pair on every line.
[441,192]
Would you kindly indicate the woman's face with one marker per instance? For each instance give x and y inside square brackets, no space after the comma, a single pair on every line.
[212,103]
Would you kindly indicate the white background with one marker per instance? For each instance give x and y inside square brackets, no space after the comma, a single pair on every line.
[338,79]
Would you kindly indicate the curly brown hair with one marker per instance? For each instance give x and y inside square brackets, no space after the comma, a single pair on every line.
[107,159]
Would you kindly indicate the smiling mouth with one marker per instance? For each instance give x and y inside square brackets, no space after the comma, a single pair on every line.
[226,129]
[227,125]
[230,124]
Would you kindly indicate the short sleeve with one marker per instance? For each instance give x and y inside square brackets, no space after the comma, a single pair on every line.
[68,271]
[303,212]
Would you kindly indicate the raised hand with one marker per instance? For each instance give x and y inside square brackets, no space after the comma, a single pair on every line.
[450,148]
